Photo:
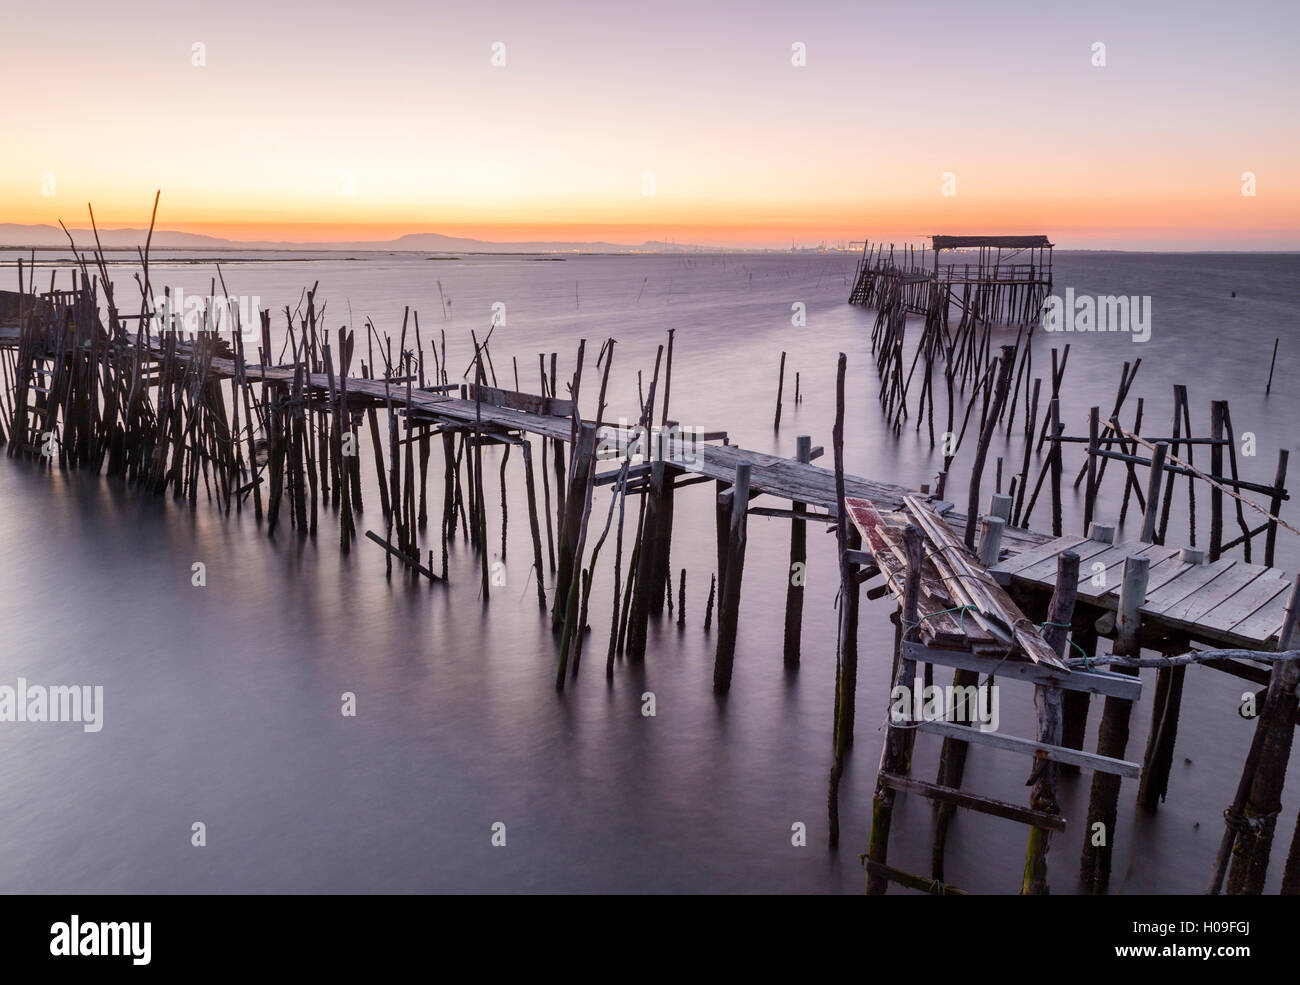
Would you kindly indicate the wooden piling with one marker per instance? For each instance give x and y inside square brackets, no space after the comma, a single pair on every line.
[894,757]
[1256,819]
[796,573]
[1048,703]
[729,597]
[1112,736]
[780,389]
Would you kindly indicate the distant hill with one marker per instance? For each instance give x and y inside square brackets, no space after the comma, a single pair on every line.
[45,236]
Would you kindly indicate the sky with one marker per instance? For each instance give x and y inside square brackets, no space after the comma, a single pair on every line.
[684,121]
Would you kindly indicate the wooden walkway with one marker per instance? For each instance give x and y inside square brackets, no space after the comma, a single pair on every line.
[785,478]
[1225,602]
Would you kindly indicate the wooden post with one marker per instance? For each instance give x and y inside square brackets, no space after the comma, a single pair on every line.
[1159,757]
[1112,736]
[780,389]
[1257,817]
[1090,497]
[729,596]
[577,515]
[1153,493]
[1055,462]
[533,526]
[1000,506]
[990,545]
[1216,470]
[1049,705]
[1076,704]
[660,535]
[894,756]
[574,522]
[1275,505]
[846,659]
[797,572]
[986,435]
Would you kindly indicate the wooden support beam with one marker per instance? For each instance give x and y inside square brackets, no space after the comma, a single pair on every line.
[974,802]
[409,562]
[879,874]
[1104,682]
[1026,747]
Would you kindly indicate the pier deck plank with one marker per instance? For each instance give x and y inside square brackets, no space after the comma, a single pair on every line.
[1224,602]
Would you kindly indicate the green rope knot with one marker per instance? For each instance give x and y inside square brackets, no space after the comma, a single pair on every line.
[1087,661]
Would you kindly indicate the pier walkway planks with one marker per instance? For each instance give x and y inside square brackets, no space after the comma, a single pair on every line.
[1225,602]
[786,478]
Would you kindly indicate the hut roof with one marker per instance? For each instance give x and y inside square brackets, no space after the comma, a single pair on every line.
[1008,242]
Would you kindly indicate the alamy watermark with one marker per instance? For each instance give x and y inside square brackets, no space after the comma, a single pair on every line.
[974,703]
[177,312]
[673,444]
[57,703]
[1100,313]
[102,938]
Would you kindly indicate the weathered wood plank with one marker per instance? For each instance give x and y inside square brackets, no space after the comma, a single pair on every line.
[1045,570]
[973,802]
[1208,596]
[1114,568]
[1180,588]
[1265,623]
[1024,559]
[1102,682]
[1249,600]
[1026,747]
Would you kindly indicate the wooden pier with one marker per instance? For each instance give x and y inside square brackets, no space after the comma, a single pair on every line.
[978,592]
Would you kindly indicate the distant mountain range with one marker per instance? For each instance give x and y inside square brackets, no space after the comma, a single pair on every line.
[44,236]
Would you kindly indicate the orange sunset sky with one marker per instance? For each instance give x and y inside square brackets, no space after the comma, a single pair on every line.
[340,122]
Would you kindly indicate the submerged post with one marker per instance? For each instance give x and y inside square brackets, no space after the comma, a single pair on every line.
[796,573]
[729,598]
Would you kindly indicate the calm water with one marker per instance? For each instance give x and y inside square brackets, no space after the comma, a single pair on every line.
[222,704]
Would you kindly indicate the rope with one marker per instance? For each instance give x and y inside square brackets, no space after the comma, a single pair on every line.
[1201,475]
[1247,825]
[959,608]
[1087,661]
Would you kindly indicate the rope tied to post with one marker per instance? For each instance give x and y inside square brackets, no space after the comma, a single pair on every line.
[1087,661]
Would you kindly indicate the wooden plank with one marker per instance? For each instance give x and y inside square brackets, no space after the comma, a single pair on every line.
[974,802]
[1265,623]
[1044,571]
[1247,601]
[1162,573]
[882,535]
[1178,589]
[1115,568]
[971,583]
[1024,559]
[1012,743]
[1208,596]
[932,886]
[1104,682]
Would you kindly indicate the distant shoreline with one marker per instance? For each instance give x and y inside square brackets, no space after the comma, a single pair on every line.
[203,254]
